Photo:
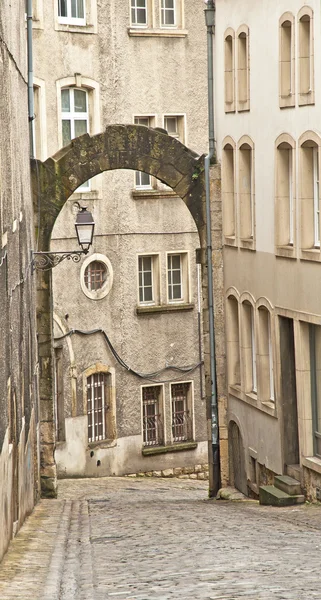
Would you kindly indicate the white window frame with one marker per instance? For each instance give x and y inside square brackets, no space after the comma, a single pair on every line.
[181,126]
[170,283]
[73,116]
[316,197]
[163,11]
[185,277]
[69,19]
[154,260]
[138,174]
[133,6]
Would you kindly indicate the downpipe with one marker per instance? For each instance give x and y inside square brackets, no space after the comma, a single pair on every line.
[31,109]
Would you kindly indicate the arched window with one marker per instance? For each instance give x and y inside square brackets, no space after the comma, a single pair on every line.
[228,192]
[287,60]
[265,356]
[246,193]
[306,56]
[229,40]
[285,195]
[310,192]
[243,69]
[233,342]
[249,347]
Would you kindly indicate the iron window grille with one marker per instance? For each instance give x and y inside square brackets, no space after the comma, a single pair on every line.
[97,406]
[95,275]
[153,430]
[182,425]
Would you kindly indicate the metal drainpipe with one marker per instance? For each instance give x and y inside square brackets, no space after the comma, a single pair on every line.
[214,473]
[31,115]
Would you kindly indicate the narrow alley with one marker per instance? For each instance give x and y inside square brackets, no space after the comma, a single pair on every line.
[142,539]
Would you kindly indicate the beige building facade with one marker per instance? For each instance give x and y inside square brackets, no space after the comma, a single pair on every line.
[268,140]
[19,432]
[130,395]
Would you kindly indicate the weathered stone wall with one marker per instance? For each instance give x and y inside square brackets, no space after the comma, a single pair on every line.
[18,404]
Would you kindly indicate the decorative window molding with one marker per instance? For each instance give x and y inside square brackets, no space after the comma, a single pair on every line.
[39,124]
[229,192]
[243,68]
[76,17]
[153,412]
[100,396]
[148,279]
[306,56]
[246,193]
[229,69]
[309,144]
[92,289]
[178,286]
[287,60]
[285,196]
[182,411]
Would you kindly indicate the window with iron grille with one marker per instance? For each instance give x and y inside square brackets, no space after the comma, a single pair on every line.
[182,425]
[153,433]
[95,275]
[72,11]
[97,396]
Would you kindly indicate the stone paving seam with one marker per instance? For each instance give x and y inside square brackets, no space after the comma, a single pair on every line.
[86,559]
[52,586]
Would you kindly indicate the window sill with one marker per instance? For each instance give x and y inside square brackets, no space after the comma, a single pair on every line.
[285,251]
[230,240]
[313,463]
[102,444]
[269,408]
[153,194]
[311,254]
[247,244]
[168,33]
[70,28]
[165,308]
[235,390]
[180,447]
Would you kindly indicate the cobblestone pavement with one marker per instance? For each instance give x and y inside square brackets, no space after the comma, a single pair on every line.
[146,539]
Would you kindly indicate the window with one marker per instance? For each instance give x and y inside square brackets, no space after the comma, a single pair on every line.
[229,71]
[72,11]
[266,368]
[175,127]
[148,279]
[143,180]
[246,193]
[285,194]
[153,428]
[177,277]
[310,192]
[182,422]
[168,13]
[95,275]
[243,69]
[306,56]
[39,129]
[315,366]
[249,347]
[139,13]
[287,61]
[75,118]
[97,406]
[228,192]
[233,342]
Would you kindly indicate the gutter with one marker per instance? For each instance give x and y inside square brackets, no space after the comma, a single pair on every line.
[31,114]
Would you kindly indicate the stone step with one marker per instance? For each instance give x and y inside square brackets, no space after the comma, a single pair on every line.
[294,471]
[271,496]
[287,484]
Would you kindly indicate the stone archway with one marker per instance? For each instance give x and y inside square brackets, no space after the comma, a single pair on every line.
[132,147]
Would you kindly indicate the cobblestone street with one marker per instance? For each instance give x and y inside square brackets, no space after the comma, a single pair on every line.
[147,539]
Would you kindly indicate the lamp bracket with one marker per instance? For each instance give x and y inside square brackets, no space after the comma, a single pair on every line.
[44,261]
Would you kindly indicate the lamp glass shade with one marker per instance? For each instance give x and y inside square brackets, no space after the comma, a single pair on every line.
[85,228]
[210,16]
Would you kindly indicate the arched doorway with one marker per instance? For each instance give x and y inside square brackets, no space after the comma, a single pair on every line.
[236,452]
[119,147]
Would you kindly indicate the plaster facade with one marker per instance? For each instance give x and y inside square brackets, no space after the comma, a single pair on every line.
[19,476]
[276,267]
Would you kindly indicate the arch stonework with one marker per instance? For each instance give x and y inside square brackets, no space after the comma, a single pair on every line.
[119,147]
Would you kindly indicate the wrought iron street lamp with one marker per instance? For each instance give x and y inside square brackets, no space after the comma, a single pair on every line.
[84,225]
